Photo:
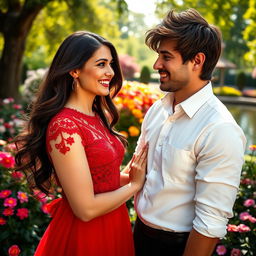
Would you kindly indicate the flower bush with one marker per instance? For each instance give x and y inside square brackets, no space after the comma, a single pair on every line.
[10,118]
[241,236]
[31,84]
[23,217]
[133,101]
[226,91]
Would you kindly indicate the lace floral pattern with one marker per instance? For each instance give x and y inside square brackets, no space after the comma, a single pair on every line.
[103,150]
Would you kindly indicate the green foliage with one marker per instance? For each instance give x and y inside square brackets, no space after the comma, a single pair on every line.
[145,75]
[250,32]
[61,18]
[241,80]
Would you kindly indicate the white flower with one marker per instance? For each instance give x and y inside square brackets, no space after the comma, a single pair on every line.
[6,101]
[2,129]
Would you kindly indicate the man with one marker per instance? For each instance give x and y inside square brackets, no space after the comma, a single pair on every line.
[195,147]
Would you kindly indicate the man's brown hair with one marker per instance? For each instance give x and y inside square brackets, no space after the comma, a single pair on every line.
[192,35]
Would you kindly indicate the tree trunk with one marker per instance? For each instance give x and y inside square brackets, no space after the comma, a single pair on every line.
[11,65]
[15,32]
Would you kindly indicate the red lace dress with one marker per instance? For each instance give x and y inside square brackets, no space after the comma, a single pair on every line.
[107,235]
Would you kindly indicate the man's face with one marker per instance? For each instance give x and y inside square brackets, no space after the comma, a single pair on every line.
[174,75]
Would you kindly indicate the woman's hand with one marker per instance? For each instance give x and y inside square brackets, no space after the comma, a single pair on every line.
[138,167]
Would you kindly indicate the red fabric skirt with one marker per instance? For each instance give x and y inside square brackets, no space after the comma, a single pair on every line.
[66,235]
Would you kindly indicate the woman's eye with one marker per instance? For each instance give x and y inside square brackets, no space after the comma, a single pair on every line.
[101,64]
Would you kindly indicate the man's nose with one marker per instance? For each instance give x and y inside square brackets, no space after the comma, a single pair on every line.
[157,65]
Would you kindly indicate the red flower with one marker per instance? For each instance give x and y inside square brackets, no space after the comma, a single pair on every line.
[22,213]
[10,202]
[17,175]
[14,250]
[8,211]
[5,193]
[44,208]
[235,252]
[7,160]
[2,221]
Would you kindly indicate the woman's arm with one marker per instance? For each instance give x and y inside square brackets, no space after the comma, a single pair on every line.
[75,178]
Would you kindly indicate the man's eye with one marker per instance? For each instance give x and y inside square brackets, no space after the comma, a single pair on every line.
[166,57]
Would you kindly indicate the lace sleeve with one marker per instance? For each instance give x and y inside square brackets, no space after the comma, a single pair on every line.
[61,130]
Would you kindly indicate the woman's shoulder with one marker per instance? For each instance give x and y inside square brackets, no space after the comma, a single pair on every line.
[63,121]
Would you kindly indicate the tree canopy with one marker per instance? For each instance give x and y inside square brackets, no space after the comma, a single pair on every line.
[59,18]
[235,18]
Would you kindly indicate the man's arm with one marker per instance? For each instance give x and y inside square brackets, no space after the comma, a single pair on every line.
[199,244]
[219,164]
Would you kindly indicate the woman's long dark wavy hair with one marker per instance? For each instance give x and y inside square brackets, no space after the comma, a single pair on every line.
[76,49]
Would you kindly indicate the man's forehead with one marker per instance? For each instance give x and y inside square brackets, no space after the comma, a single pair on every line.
[167,45]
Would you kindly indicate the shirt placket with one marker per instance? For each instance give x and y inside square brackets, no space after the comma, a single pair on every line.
[164,137]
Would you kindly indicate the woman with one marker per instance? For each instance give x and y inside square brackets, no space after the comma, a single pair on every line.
[70,137]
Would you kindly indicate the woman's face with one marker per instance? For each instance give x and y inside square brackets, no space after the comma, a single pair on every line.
[96,74]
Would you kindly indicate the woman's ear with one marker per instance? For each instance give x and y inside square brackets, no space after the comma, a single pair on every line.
[198,61]
[74,73]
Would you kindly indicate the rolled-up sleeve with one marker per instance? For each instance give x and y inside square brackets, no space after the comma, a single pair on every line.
[219,162]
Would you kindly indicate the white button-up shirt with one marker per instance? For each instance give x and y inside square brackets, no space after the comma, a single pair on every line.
[194,164]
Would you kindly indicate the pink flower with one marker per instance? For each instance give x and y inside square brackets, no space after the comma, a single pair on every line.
[22,213]
[232,228]
[243,228]
[221,250]
[252,219]
[14,250]
[10,202]
[8,211]
[235,252]
[2,221]
[7,160]
[17,106]
[17,175]
[40,196]
[5,193]
[23,197]
[244,216]
[10,147]
[249,202]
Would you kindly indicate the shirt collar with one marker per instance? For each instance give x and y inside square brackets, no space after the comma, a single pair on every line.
[190,105]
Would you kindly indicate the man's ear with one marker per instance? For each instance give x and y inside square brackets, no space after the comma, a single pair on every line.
[198,61]
[74,73]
